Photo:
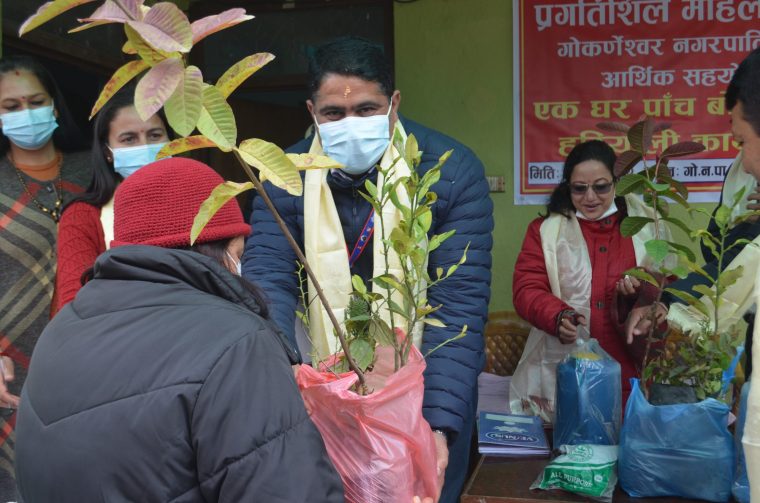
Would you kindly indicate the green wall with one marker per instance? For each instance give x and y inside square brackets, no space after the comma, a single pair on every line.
[454,70]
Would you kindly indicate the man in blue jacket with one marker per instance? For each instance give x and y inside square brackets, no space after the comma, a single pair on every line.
[355,109]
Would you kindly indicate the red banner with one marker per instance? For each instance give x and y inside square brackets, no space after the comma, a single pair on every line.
[580,63]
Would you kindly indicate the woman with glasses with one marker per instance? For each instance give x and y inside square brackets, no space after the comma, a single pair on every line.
[566,274]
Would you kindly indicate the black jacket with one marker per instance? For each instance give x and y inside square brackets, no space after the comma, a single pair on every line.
[161,382]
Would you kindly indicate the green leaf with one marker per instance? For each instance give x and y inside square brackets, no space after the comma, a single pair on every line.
[425,218]
[274,165]
[629,183]
[678,223]
[240,71]
[221,194]
[642,275]
[47,12]
[120,77]
[362,352]
[183,108]
[380,332]
[657,187]
[690,300]
[675,196]
[631,225]
[208,25]
[728,278]
[437,239]
[434,322]
[411,151]
[706,291]
[438,272]
[738,197]
[657,249]
[217,122]
[683,250]
[181,145]
[680,271]
[402,243]
[722,216]
[387,281]
[358,283]
[157,86]
[165,28]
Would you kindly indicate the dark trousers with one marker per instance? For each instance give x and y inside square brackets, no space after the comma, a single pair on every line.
[459,456]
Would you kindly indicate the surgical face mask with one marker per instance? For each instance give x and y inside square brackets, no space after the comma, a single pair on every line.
[127,160]
[356,142]
[30,128]
[238,264]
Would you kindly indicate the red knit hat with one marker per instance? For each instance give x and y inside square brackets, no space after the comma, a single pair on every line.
[157,204]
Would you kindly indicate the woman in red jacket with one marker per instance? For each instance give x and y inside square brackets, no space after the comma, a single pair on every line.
[566,274]
[122,144]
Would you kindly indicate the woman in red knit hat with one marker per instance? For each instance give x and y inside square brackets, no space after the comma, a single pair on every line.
[164,380]
[122,144]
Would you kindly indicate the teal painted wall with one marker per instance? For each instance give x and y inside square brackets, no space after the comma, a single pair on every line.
[454,70]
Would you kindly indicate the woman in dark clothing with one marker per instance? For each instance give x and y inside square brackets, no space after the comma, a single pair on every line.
[164,380]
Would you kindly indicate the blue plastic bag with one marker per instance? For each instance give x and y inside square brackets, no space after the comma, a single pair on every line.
[589,397]
[740,488]
[682,450]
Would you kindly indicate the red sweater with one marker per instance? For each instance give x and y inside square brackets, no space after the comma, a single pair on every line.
[80,241]
[611,254]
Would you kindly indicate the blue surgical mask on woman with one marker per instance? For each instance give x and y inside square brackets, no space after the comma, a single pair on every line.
[127,160]
[30,128]
[356,142]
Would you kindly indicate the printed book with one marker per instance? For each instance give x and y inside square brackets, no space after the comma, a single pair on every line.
[511,435]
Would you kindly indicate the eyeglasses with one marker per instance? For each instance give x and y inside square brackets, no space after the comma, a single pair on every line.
[580,189]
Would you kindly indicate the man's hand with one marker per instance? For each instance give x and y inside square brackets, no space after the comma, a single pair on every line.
[7,399]
[628,286]
[568,327]
[640,320]
[442,459]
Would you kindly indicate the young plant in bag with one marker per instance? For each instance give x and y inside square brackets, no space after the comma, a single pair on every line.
[699,358]
[394,309]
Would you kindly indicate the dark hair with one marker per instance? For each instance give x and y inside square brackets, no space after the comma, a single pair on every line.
[596,150]
[745,88]
[217,250]
[66,136]
[104,178]
[353,57]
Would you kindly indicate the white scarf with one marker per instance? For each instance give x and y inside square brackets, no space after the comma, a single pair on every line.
[325,249]
[568,266]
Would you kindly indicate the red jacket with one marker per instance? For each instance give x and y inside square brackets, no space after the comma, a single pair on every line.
[80,241]
[611,254]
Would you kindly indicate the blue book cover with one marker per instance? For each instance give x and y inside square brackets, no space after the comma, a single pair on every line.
[511,434]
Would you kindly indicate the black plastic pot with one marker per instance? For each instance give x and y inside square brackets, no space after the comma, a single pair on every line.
[666,394]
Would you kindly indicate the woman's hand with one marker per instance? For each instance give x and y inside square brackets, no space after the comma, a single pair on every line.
[567,328]
[627,286]
[442,458]
[7,399]
[640,320]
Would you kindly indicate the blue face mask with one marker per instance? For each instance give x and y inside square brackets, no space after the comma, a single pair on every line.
[30,128]
[356,142]
[127,160]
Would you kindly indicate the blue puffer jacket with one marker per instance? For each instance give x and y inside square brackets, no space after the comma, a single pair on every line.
[463,204]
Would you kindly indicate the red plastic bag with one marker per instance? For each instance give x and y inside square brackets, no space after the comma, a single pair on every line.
[380,444]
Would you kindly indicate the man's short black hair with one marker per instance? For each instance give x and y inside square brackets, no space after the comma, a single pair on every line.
[350,56]
[745,88]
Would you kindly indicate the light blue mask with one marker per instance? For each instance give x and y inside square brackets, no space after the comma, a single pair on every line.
[30,128]
[127,160]
[356,142]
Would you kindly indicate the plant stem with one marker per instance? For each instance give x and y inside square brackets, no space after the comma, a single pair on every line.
[292,242]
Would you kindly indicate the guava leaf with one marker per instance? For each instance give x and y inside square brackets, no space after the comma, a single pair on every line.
[109,13]
[626,162]
[165,28]
[186,144]
[642,275]
[205,26]
[613,127]
[143,49]
[48,11]
[183,108]
[237,73]
[217,122]
[629,183]
[218,198]
[632,225]
[683,148]
[120,77]
[157,86]
[312,161]
[272,162]
[657,249]
[362,352]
